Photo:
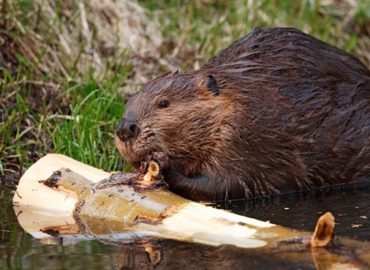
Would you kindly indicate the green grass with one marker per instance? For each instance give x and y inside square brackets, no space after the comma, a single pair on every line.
[80,119]
[83,130]
[87,132]
[211,25]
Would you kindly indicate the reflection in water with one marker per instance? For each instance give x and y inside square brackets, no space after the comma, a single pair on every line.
[19,250]
[177,255]
[349,205]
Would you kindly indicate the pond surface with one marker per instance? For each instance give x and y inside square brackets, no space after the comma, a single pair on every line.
[350,206]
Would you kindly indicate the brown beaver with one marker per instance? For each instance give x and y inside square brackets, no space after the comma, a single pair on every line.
[276,111]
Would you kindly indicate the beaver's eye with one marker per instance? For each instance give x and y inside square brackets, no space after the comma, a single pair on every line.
[163,104]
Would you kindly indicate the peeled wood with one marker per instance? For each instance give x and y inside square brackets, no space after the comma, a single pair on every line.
[75,205]
[157,213]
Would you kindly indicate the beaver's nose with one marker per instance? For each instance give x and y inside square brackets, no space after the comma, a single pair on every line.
[127,129]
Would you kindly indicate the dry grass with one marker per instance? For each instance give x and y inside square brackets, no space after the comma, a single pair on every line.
[68,39]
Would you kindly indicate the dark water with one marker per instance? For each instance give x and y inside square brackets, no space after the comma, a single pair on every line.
[351,207]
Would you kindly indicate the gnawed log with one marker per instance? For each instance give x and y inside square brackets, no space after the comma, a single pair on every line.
[62,197]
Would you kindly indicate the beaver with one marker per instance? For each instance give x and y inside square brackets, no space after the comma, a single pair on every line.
[276,111]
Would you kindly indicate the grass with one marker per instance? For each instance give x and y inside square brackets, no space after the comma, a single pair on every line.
[57,107]
[83,128]
[208,26]
[87,132]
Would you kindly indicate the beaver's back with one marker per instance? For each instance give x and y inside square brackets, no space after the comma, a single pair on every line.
[306,90]
[286,47]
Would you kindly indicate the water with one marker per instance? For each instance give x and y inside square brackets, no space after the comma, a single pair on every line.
[351,207]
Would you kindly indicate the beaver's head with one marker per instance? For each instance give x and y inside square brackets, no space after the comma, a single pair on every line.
[182,115]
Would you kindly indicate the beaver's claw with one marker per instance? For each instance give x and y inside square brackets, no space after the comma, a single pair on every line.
[159,157]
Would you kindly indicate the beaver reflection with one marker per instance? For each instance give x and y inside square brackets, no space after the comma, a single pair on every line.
[176,255]
[276,111]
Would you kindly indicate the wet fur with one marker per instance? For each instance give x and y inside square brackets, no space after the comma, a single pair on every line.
[291,113]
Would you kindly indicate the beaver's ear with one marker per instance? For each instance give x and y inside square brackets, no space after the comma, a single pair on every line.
[212,85]
[209,84]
